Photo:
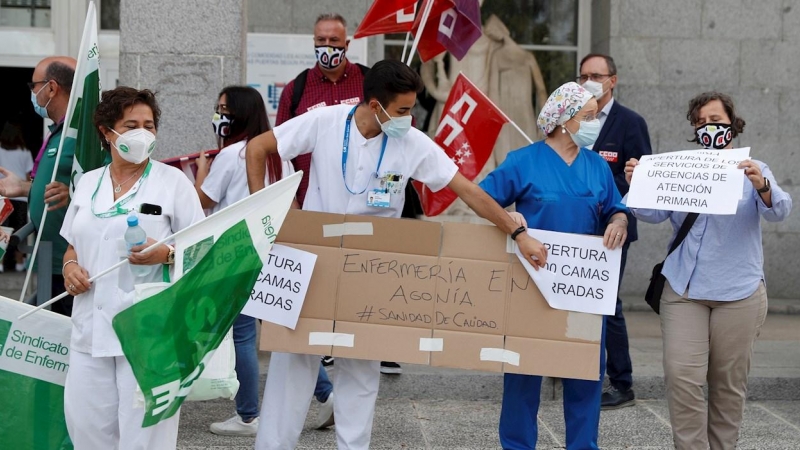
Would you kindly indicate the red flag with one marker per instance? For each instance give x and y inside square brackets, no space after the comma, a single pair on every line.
[452,25]
[467,132]
[188,163]
[387,16]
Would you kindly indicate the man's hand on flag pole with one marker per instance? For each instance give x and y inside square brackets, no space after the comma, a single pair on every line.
[56,195]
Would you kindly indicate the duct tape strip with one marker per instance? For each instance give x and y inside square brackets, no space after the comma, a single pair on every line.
[334,339]
[431,344]
[511,245]
[500,355]
[347,229]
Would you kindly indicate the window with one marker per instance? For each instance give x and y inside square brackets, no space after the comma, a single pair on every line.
[109,14]
[25,13]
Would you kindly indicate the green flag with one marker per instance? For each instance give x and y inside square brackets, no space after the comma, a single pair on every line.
[34,359]
[83,101]
[169,337]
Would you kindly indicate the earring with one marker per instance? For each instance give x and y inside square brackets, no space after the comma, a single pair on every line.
[563,129]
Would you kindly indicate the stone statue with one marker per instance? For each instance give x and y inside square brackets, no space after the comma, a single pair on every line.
[507,74]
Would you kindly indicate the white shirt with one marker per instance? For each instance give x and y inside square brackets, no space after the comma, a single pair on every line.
[322,130]
[603,114]
[19,162]
[96,242]
[226,182]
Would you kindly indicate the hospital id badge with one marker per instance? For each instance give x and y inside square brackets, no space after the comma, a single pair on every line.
[378,198]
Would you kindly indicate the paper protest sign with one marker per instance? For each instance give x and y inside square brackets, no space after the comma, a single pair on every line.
[281,287]
[581,274]
[701,181]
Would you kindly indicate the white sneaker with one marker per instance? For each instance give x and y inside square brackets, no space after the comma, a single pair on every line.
[235,427]
[325,415]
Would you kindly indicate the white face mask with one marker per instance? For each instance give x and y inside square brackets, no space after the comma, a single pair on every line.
[135,146]
[595,88]
[395,127]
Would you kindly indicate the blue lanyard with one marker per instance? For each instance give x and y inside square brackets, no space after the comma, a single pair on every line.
[346,146]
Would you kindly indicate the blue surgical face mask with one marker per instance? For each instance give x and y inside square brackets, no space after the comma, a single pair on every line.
[395,127]
[40,110]
[587,134]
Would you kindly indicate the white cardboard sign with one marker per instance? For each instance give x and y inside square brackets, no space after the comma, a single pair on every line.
[581,274]
[281,288]
[701,181]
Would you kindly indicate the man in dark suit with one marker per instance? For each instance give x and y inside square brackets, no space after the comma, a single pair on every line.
[623,136]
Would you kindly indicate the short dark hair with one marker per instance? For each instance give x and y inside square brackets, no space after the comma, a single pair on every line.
[331,16]
[61,74]
[701,100]
[113,104]
[388,78]
[612,67]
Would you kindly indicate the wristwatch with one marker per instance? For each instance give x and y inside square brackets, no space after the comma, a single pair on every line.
[765,188]
[170,255]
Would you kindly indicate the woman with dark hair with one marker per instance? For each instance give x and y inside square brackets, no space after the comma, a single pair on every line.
[239,116]
[99,392]
[715,301]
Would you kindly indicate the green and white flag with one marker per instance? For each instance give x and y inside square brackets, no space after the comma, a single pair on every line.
[169,337]
[34,359]
[83,100]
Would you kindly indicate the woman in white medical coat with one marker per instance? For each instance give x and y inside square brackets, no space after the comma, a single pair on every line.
[99,391]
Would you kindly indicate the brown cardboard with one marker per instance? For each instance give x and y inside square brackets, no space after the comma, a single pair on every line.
[398,344]
[390,283]
[278,338]
[462,350]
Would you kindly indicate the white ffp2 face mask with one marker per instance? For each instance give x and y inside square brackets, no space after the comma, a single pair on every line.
[136,145]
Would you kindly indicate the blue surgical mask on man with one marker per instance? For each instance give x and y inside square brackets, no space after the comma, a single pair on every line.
[395,127]
[587,134]
[40,110]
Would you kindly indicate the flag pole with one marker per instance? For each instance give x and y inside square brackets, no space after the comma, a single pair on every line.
[405,46]
[418,36]
[520,131]
[505,116]
[90,15]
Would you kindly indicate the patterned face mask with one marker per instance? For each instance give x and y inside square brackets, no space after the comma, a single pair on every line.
[714,135]
[329,57]
[222,124]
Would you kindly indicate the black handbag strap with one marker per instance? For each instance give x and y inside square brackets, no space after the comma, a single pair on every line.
[683,232]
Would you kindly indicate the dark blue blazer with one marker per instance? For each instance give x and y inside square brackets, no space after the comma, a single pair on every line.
[623,136]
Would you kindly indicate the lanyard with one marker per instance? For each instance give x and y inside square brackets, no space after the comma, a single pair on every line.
[345,148]
[117,209]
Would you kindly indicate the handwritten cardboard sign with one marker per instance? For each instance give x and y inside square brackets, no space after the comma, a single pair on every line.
[701,181]
[581,275]
[281,287]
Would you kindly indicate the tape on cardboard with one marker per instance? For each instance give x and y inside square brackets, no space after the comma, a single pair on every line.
[334,339]
[347,228]
[500,355]
[511,245]
[431,344]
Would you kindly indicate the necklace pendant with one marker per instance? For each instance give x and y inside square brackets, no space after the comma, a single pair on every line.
[118,189]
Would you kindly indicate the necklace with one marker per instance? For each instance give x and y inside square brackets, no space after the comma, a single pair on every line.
[118,189]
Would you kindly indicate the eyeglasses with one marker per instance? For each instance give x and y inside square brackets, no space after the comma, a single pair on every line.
[593,77]
[32,84]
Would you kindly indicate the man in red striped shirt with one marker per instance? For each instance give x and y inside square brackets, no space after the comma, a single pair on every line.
[332,81]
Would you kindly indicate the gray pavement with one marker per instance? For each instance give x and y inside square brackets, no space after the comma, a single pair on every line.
[431,408]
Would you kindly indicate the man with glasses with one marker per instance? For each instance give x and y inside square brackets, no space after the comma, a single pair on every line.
[50,88]
[623,136]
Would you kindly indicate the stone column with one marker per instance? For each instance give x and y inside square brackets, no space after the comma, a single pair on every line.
[186,52]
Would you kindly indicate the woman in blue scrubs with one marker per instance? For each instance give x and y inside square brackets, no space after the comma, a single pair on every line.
[559,185]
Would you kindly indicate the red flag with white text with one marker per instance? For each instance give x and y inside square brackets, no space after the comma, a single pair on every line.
[452,25]
[467,132]
[387,16]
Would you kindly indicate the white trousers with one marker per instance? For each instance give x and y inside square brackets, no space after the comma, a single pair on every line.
[290,385]
[98,405]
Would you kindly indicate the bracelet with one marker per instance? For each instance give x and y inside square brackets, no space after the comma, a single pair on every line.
[620,218]
[517,232]
[69,261]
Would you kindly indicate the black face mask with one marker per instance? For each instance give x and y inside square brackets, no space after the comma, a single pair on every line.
[222,124]
[715,135]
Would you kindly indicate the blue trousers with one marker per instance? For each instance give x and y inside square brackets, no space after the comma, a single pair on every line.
[618,362]
[519,428]
[244,342]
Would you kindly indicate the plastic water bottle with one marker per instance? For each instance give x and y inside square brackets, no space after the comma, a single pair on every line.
[134,236]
